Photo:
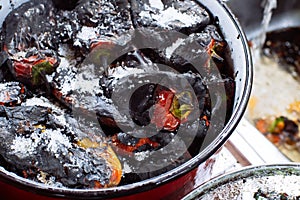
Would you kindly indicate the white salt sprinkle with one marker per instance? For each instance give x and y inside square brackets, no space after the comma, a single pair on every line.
[87,33]
[166,17]
[157,4]
[173,47]
[245,189]
[57,140]
[22,147]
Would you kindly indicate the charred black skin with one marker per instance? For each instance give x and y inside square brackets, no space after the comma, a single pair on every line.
[44,23]
[91,13]
[136,177]
[113,19]
[29,28]
[15,37]
[29,15]
[139,110]
[63,164]
[138,6]
[5,74]
[140,104]
[65,5]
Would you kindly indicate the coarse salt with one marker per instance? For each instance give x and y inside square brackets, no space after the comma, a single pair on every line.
[166,17]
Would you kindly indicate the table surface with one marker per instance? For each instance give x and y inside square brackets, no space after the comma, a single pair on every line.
[246,146]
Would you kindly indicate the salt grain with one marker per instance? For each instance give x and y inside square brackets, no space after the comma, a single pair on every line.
[41,101]
[23,147]
[121,72]
[57,141]
[87,33]
[156,4]
[81,85]
[126,168]
[167,17]
[173,47]
[140,156]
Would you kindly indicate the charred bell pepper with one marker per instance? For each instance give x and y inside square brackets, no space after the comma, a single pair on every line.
[110,157]
[32,70]
[169,113]
[36,136]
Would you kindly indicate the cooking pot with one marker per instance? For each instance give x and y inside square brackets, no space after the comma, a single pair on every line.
[250,182]
[176,182]
[250,15]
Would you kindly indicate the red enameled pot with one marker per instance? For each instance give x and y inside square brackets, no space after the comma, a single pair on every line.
[175,183]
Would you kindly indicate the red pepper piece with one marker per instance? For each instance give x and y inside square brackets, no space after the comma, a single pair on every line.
[131,148]
[30,69]
[162,117]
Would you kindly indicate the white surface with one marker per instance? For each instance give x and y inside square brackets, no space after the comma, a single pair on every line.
[254,146]
[273,91]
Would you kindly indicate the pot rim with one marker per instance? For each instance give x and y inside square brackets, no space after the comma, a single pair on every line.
[225,16]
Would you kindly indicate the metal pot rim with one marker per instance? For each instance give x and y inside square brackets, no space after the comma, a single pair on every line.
[243,173]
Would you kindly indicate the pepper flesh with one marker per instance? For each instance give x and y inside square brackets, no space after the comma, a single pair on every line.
[109,156]
[33,68]
[168,112]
